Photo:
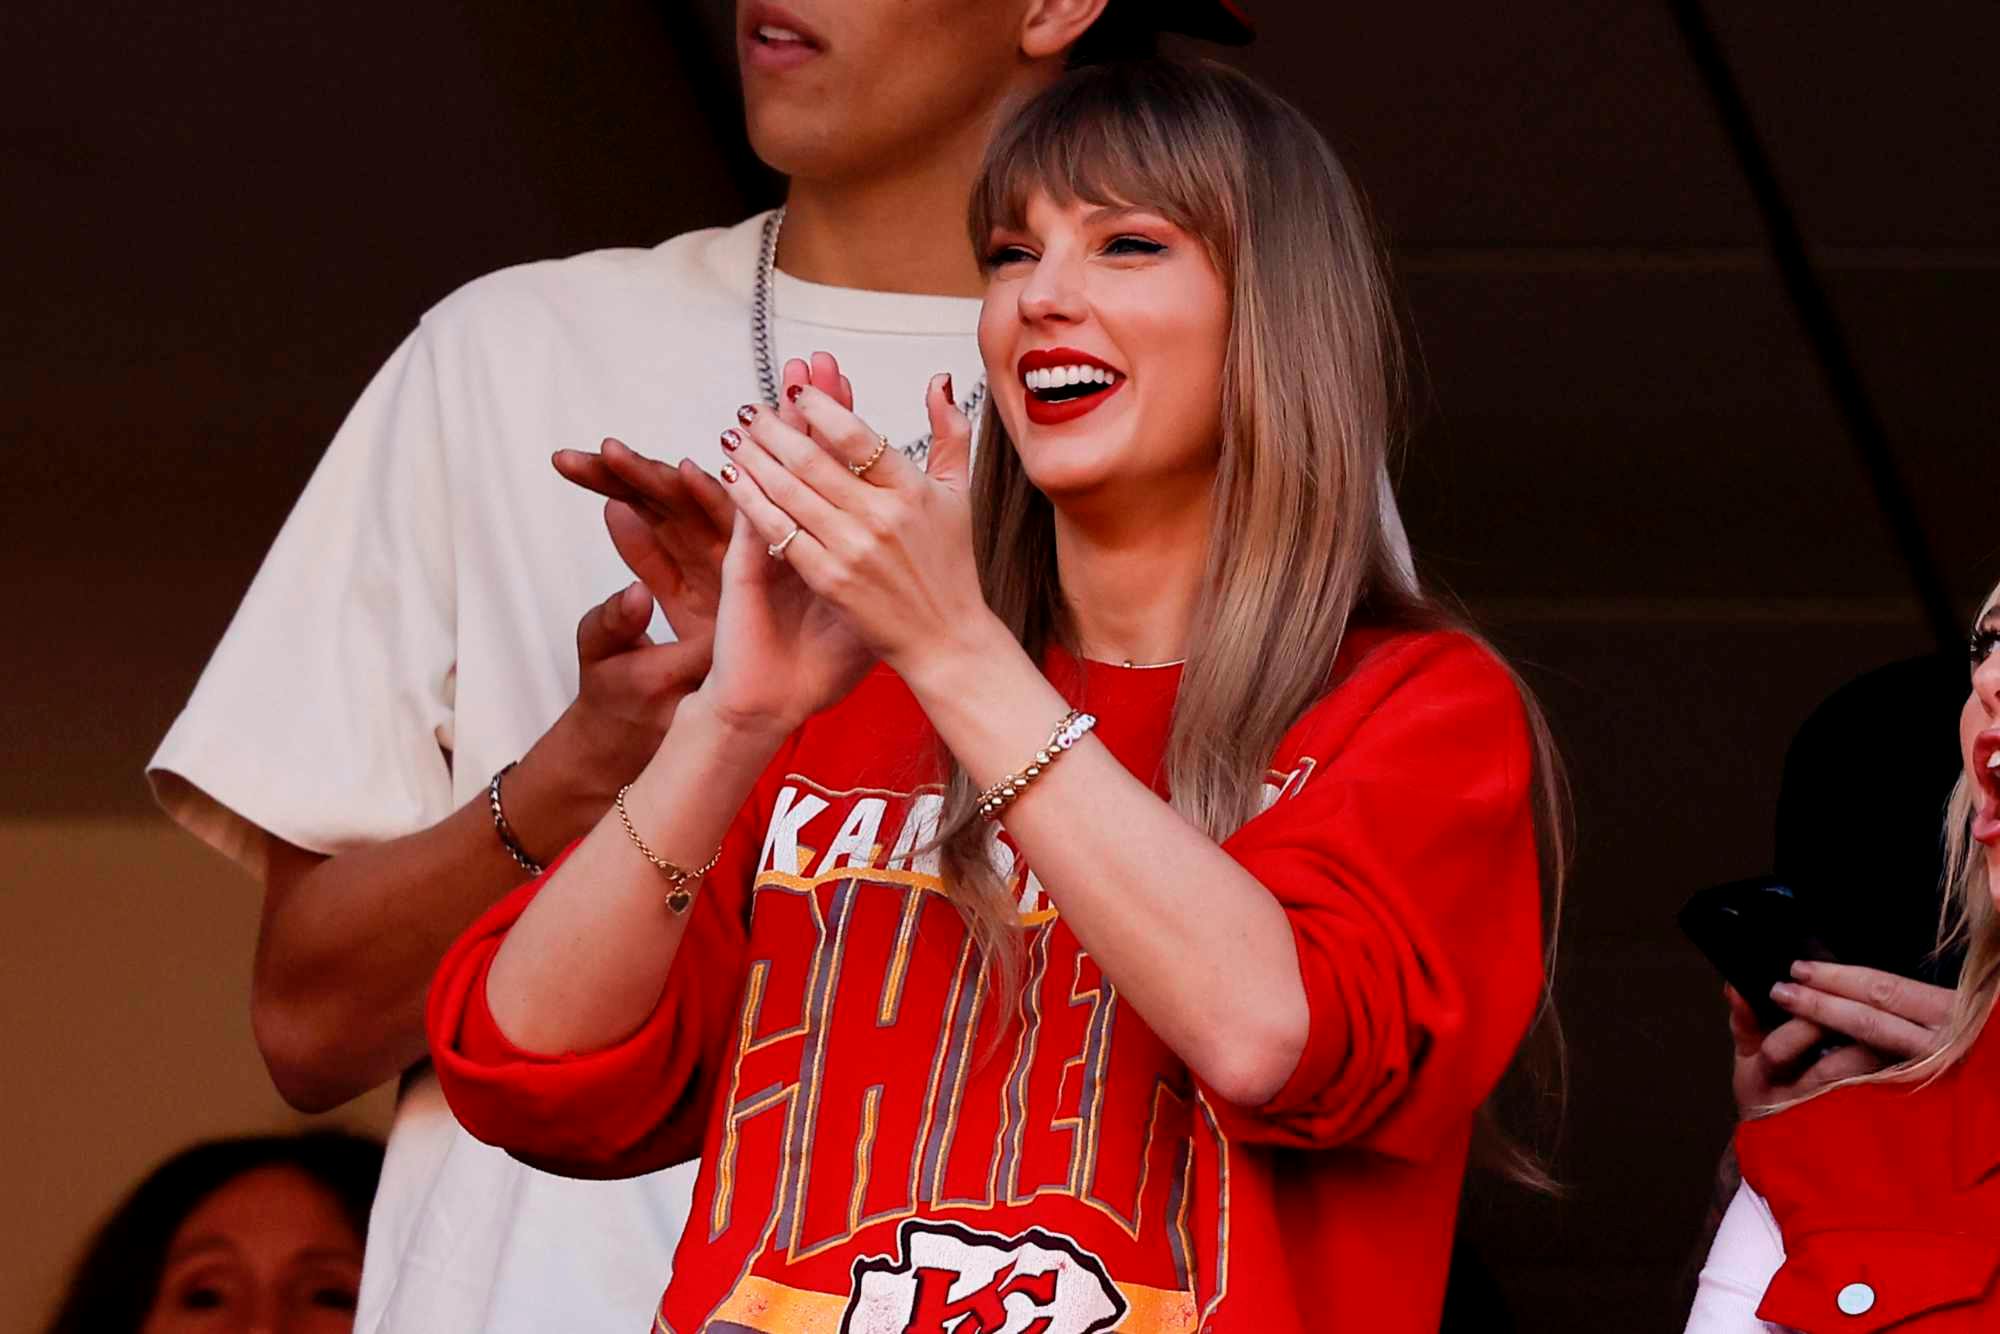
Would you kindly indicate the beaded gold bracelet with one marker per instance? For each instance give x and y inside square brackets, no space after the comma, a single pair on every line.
[679,896]
[1067,733]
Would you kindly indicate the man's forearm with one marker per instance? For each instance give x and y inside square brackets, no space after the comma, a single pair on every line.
[348,944]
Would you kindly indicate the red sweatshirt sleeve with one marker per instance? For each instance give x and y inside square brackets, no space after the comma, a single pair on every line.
[1403,850]
[631,1108]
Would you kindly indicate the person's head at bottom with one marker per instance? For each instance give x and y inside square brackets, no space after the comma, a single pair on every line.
[252,1234]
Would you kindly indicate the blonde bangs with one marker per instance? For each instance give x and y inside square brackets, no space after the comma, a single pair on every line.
[1111,142]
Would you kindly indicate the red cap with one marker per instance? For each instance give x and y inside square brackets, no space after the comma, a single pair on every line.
[1211,20]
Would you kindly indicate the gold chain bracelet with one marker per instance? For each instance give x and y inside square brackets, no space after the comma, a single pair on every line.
[1074,725]
[679,896]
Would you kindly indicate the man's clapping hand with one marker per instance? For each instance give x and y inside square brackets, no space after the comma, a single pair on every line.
[670,526]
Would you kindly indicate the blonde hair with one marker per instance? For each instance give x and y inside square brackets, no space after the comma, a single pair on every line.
[1310,399]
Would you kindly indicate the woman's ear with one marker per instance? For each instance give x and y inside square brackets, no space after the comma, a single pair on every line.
[1051,27]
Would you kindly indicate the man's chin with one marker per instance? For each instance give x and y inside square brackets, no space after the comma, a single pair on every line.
[791,135]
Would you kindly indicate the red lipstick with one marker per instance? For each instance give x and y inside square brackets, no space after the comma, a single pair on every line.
[1053,412]
[1986,788]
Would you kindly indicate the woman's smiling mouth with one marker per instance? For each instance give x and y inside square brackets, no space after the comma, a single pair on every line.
[1064,383]
[1986,795]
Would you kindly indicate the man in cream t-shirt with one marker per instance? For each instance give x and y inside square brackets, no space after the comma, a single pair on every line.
[415,628]
[412,631]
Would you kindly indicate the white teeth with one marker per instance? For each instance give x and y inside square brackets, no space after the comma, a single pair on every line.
[1057,377]
[1993,760]
[773,34]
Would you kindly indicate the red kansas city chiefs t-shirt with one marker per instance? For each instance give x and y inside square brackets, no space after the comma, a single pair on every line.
[889,1148]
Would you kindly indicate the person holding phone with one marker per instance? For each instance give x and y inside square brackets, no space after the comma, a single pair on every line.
[1876,756]
[1846,1021]
[1098,890]
[1876,1201]
[1832,961]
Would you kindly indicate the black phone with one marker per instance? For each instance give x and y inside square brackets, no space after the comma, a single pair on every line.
[1753,931]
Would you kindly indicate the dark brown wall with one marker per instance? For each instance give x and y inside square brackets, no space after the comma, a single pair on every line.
[221,218]
[227,215]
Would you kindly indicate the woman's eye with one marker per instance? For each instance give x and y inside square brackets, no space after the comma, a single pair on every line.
[1984,642]
[1133,245]
[201,1299]
[334,1298]
[1006,254]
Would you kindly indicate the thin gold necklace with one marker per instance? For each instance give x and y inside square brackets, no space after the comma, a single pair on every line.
[1135,666]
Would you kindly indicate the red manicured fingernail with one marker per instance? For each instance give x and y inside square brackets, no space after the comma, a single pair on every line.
[729,473]
[730,440]
[792,392]
[746,414]
[947,390]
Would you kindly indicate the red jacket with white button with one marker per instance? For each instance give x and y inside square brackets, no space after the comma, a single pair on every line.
[1888,1199]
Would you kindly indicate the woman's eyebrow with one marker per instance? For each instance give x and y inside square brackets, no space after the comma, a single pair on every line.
[328,1255]
[1112,212]
[197,1246]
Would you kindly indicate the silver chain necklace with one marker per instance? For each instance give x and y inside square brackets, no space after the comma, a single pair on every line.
[918,450]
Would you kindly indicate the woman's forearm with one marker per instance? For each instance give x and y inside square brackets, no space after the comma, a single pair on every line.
[1189,937]
[586,962]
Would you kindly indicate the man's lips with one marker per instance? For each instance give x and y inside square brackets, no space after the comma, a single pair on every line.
[773,38]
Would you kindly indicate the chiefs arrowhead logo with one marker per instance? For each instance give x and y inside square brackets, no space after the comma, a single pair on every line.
[953,1280]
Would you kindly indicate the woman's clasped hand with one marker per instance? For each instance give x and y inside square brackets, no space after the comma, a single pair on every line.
[844,550]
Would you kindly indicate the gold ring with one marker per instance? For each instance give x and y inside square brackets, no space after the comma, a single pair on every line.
[776,551]
[881,447]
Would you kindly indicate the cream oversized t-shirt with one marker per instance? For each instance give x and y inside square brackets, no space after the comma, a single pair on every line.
[414,628]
